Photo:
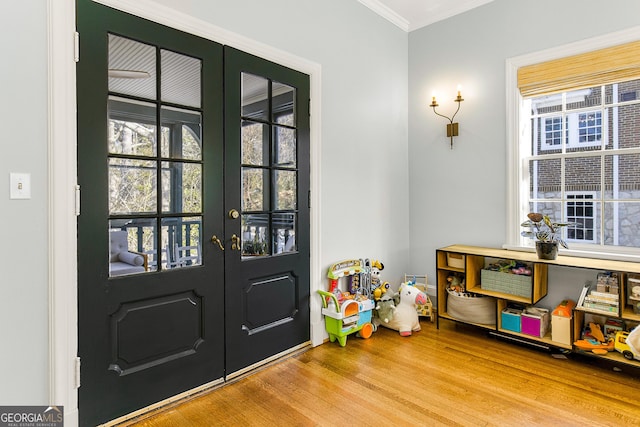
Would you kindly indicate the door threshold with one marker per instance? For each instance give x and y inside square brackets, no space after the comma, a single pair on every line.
[268,361]
[146,412]
[162,405]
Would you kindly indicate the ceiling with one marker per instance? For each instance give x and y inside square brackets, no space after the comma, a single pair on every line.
[413,14]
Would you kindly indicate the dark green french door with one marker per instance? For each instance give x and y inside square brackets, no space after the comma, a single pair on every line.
[267,148]
[193,233]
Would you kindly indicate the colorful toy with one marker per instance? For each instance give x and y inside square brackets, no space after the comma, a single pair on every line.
[596,342]
[351,268]
[622,345]
[426,309]
[348,312]
[378,287]
[455,283]
[385,309]
[594,345]
[350,316]
[405,318]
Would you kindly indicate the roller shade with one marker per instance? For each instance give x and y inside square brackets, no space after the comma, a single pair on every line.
[604,66]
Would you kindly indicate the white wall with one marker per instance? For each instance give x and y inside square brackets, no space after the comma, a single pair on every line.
[459,195]
[23,251]
[364,182]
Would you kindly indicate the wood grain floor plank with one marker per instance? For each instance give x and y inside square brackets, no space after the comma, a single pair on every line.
[452,376]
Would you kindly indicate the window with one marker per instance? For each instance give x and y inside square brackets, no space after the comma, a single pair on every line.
[552,132]
[558,121]
[574,146]
[580,212]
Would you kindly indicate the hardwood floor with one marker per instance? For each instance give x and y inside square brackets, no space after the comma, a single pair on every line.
[452,376]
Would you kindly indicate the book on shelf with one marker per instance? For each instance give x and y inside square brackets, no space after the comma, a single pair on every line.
[597,301]
[606,295]
[600,307]
[600,300]
[583,294]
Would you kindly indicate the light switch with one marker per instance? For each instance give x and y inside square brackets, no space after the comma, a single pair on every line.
[20,185]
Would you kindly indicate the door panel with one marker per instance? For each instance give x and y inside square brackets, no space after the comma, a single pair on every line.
[267,181]
[171,326]
[150,158]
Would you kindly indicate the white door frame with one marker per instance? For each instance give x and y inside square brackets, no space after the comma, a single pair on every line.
[63,197]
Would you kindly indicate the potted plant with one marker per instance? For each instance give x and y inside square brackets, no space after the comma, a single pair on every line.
[548,234]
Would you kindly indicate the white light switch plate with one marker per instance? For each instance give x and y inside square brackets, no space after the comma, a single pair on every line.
[20,185]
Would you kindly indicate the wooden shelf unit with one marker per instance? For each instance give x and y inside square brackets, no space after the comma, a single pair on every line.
[475,259]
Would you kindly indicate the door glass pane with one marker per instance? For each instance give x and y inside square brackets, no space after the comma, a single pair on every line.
[283,104]
[181,134]
[253,188]
[181,79]
[284,146]
[255,143]
[132,67]
[141,239]
[132,186]
[255,235]
[182,241]
[255,97]
[181,187]
[126,254]
[285,189]
[284,233]
[132,127]
[191,187]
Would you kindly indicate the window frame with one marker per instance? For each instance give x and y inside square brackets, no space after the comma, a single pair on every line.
[518,142]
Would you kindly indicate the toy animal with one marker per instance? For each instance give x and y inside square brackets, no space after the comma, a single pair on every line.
[405,318]
[385,309]
[378,287]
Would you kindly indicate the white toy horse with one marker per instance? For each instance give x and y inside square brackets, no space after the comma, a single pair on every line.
[405,318]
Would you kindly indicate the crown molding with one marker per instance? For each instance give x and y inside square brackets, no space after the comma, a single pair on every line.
[422,13]
[442,13]
[387,13]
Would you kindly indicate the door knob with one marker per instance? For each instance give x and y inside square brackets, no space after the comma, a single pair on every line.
[215,239]
[234,214]
[235,243]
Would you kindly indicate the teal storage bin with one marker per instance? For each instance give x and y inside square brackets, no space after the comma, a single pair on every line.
[511,319]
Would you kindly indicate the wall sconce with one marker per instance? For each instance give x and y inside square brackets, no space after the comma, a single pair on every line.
[452,128]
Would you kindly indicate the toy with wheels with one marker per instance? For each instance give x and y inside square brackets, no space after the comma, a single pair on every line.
[623,344]
[349,317]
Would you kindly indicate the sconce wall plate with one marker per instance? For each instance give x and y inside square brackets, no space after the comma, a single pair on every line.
[452,129]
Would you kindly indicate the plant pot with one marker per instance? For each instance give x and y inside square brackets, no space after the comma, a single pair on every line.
[547,250]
